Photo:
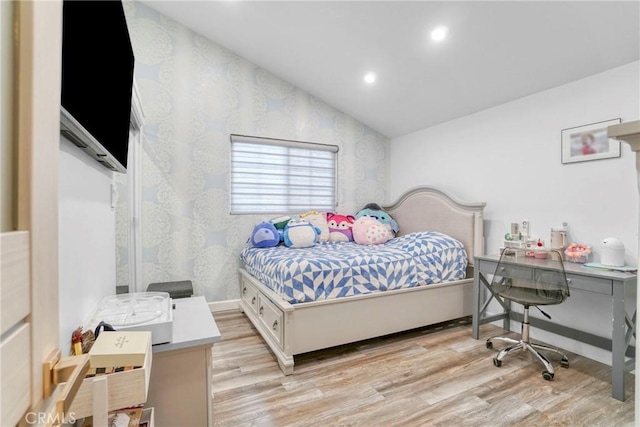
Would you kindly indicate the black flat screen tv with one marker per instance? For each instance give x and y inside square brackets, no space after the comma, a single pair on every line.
[97,80]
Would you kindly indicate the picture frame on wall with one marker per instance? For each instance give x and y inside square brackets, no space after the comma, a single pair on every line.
[589,142]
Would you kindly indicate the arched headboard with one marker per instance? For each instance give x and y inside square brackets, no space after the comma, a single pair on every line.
[429,209]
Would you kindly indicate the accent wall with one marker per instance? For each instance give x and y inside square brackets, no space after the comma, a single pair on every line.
[195,93]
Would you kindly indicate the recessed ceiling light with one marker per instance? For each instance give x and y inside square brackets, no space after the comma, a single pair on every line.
[369,78]
[439,33]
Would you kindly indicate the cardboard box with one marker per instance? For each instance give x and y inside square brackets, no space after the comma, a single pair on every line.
[120,348]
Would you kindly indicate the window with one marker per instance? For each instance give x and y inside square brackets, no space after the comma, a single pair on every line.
[279,176]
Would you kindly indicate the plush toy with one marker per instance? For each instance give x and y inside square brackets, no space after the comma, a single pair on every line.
[318,219]
[280,222]
[375,211]
[264,235]
[340,227]
[369,231]
[299,233]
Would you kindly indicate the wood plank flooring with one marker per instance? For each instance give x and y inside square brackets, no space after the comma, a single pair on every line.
[435,376]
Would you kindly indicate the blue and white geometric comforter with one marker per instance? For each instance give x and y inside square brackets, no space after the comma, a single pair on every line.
[333,270]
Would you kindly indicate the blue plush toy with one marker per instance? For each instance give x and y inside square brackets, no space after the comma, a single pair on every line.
[264,235]
[299,233]
[375,211]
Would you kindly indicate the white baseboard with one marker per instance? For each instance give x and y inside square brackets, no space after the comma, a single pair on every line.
[228,305]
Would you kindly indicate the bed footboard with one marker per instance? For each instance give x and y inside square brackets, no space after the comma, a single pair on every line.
[270,315]
[290,329]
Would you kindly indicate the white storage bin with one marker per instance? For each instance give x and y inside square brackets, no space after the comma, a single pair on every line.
[612,252]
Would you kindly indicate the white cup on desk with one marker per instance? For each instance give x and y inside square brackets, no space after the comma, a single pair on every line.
[558,239]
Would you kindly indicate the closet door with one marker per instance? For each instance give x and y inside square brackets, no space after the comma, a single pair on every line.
[29,239]
[15,305]
[15,347]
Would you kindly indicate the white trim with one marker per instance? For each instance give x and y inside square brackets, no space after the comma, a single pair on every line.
[137,113]
[134,183]
[228,305]
[284,143]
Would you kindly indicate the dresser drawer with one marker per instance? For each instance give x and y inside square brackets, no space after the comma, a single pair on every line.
[271,317]
[485,267]
[591,284]
[249,294]
[515,271]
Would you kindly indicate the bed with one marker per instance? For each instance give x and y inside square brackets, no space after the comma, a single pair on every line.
[394,290]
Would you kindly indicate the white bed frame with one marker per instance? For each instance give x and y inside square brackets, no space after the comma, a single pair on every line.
[291,329]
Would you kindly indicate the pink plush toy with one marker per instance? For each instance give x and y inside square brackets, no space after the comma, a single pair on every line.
[370,231]
[340,227]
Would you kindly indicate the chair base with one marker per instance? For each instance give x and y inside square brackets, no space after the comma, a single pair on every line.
[548,374]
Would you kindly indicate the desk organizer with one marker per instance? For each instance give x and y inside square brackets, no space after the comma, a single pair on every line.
[577,253]
[516,244]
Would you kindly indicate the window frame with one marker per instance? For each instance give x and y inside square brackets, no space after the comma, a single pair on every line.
[312,146]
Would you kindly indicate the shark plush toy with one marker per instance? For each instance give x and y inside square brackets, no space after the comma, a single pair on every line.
[299,233]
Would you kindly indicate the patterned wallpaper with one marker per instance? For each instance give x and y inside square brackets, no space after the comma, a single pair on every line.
[194,94]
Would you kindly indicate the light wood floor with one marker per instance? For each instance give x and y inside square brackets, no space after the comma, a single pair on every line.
[436,376]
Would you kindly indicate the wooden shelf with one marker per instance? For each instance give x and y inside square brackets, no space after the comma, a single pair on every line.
[124,389]
[628,132]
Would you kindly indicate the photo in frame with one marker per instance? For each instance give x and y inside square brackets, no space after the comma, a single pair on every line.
[589,142]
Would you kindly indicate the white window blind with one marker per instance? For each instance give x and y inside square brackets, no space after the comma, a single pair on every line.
[280,176]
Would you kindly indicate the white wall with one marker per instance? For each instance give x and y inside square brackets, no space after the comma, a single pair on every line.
[87,245]
[509,157]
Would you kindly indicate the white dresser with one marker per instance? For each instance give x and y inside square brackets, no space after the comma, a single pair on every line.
[180,385]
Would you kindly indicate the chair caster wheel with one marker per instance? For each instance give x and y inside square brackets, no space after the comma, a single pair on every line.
[564,362]
[489,344]
[547,375]
[497,363]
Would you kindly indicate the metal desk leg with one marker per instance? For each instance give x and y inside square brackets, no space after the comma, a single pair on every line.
[618,343]
[475,320]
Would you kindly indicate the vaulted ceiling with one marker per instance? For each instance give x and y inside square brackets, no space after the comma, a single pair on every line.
[494,52]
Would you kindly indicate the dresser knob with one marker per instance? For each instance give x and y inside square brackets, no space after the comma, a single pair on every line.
[244,290]
[275,325]
[253,301]
[261,309]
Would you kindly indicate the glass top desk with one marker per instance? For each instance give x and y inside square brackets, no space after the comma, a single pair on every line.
[609,284]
